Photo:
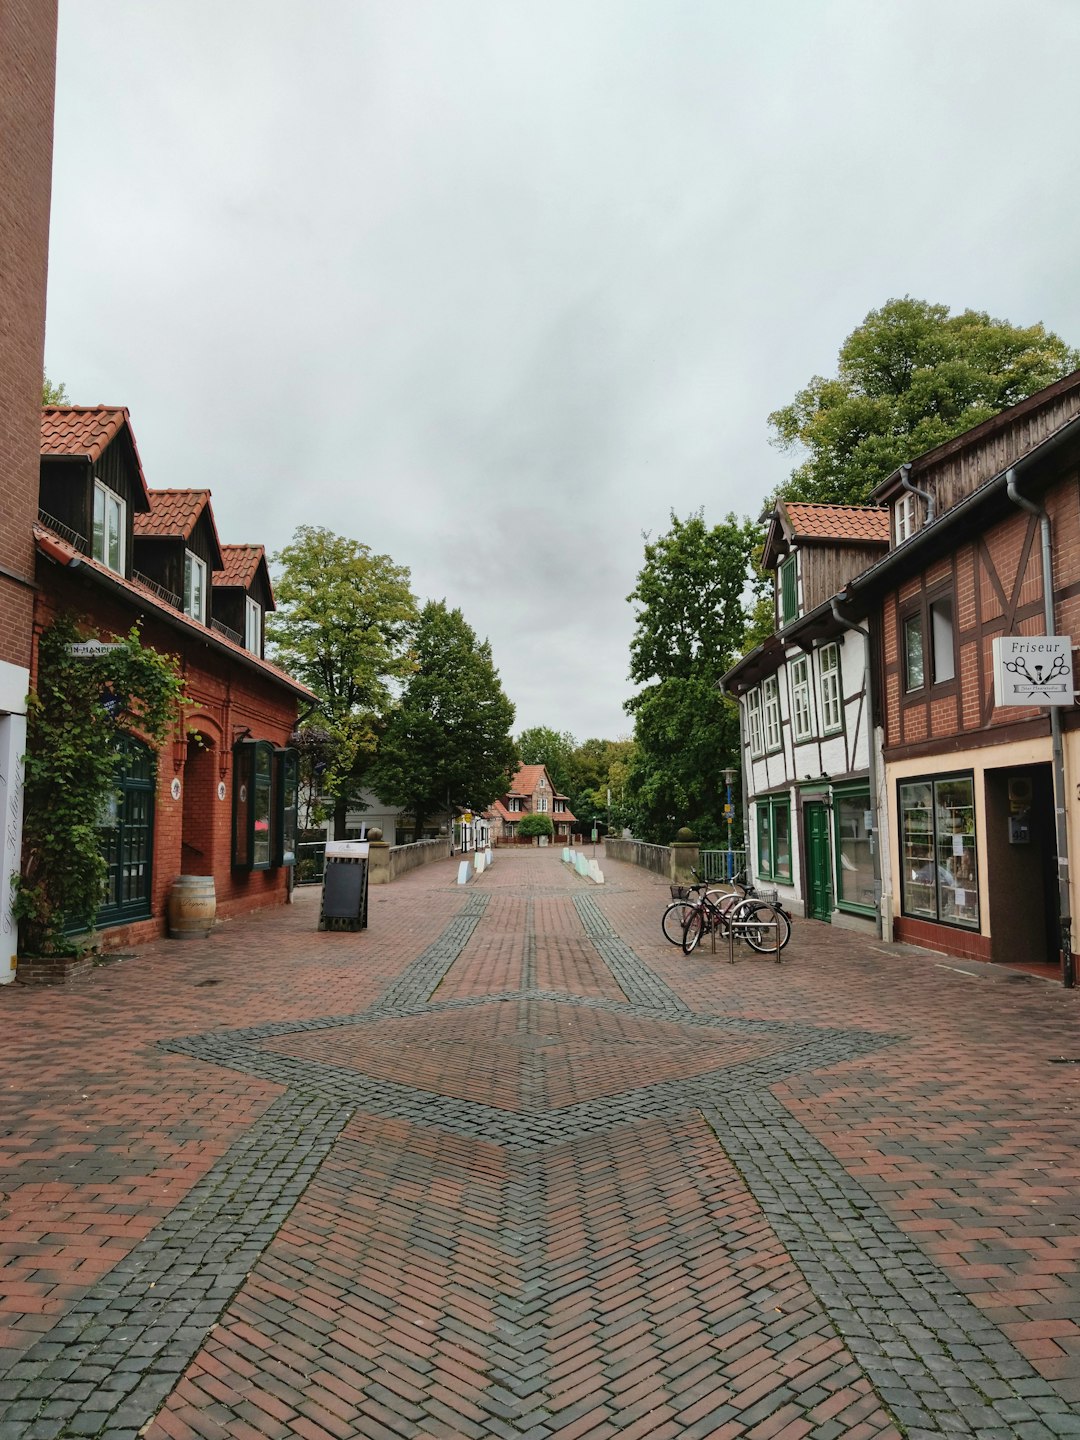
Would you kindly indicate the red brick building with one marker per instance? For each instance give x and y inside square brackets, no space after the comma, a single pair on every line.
[219,800]
[27,74]
[531,793]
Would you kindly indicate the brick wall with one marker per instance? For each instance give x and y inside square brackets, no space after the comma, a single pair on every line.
[27,73]
[192,832]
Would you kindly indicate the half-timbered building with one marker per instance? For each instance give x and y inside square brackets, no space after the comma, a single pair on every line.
[531,793]
[979,528]
[804,719]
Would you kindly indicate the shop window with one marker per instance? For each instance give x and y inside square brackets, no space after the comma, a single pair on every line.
[831,712]
[855,864]
[771,697]
[288,806]
[253,785]
[801,711]
[127,836]
[938,857]
[789,590]
[110,528]
[774,838]
[753,722]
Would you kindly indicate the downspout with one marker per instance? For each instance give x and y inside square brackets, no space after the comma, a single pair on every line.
[871,750]
[1068,977]
[927,495]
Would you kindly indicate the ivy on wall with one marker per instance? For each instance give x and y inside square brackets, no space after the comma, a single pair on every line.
[82,706]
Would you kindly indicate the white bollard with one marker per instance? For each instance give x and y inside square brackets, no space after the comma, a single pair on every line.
[464,873]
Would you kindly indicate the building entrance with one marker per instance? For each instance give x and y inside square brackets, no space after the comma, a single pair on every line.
[1021,858]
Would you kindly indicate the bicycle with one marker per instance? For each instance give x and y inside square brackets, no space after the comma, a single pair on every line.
[759,920]
[684,897]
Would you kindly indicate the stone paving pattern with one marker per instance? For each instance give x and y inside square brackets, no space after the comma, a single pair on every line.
[508,1164]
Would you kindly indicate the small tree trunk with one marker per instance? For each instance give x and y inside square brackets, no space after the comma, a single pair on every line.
[341,805]
[418,823]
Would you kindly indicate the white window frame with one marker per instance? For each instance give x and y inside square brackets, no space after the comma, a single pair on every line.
[904,517]
[754,729]
[541,804]
[802,712]
[103,493]
[770,696]
[252,625]
[194,565]
[832,703]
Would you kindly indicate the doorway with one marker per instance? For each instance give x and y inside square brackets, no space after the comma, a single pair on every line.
[1021,858]
[818,897]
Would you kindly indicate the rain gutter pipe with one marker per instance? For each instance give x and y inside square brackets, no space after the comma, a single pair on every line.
[1068,977]
[871,751]
[927,495]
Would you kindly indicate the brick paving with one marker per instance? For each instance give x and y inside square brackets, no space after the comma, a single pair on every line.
[508,1164]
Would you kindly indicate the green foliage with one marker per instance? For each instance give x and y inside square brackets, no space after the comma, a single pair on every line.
[691,623]
[447,744]
[597,767]
[555,749]
[909,378]
[533,825]
[71,764]
[343,626]
[54,394]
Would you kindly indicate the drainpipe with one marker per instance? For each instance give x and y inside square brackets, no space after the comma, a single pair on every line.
[871,750]
[1068,977]
[927,495]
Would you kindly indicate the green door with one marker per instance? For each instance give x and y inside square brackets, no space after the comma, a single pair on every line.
[818,861]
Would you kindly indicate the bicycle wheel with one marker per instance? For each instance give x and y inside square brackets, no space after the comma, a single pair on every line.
[763,939]
[674,919]
[693,930]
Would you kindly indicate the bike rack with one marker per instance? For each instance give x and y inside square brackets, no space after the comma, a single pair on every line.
[734,925]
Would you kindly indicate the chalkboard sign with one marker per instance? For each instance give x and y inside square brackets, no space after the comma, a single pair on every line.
[343,891]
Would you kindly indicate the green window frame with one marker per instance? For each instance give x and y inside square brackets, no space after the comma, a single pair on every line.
[774,838]
[789,590]
[855,883]
[287,806]
[253,810]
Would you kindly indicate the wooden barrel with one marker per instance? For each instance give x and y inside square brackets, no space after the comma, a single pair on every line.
[192,907]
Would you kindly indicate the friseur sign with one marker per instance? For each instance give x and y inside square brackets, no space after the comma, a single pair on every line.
[1033,670]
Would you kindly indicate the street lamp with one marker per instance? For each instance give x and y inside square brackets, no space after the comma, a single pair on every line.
[729,816]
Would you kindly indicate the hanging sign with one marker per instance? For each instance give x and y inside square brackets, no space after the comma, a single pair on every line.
[1033,670]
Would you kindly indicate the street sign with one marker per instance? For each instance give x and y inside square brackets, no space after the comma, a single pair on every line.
[1033,670]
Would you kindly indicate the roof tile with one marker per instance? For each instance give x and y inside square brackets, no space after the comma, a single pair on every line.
[173,514]
[867,524]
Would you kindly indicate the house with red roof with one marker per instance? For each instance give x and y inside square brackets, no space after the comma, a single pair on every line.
[806,731]
[531,793]
[220,800]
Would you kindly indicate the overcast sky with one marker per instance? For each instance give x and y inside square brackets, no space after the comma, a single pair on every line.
[494,286]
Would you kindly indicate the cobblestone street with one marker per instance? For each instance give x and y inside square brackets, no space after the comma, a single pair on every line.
[509,1164]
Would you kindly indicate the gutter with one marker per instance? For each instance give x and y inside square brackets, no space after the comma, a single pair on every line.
[871,751]
[1068,977]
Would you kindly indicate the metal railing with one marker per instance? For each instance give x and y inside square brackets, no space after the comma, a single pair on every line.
[230,634]
[720,864]
[310,862]
[64,531]
[158,590]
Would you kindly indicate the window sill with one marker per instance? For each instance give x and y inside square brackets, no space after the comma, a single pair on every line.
[850,908]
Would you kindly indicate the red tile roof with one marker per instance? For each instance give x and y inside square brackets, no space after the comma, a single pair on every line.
[60,552]
[239,564]
[75,431]
[173,514]
[863,524]
[526,779]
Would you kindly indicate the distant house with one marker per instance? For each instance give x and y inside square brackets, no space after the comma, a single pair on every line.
[805,718]
[221,798]
[531,793]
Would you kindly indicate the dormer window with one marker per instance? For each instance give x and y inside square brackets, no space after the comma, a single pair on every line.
[252,626]
[788,582]
[904,518]
[110,527]
[194,587]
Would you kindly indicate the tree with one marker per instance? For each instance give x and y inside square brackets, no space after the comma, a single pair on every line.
[343,626]
[52,394]
[692,599]
[555,749]
[533,825]
[599,770]
[447,745]
[909,378]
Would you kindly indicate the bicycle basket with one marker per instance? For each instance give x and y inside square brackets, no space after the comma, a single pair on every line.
[680,892]
[770,897]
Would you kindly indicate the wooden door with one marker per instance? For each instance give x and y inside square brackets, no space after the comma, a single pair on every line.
[818,895]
